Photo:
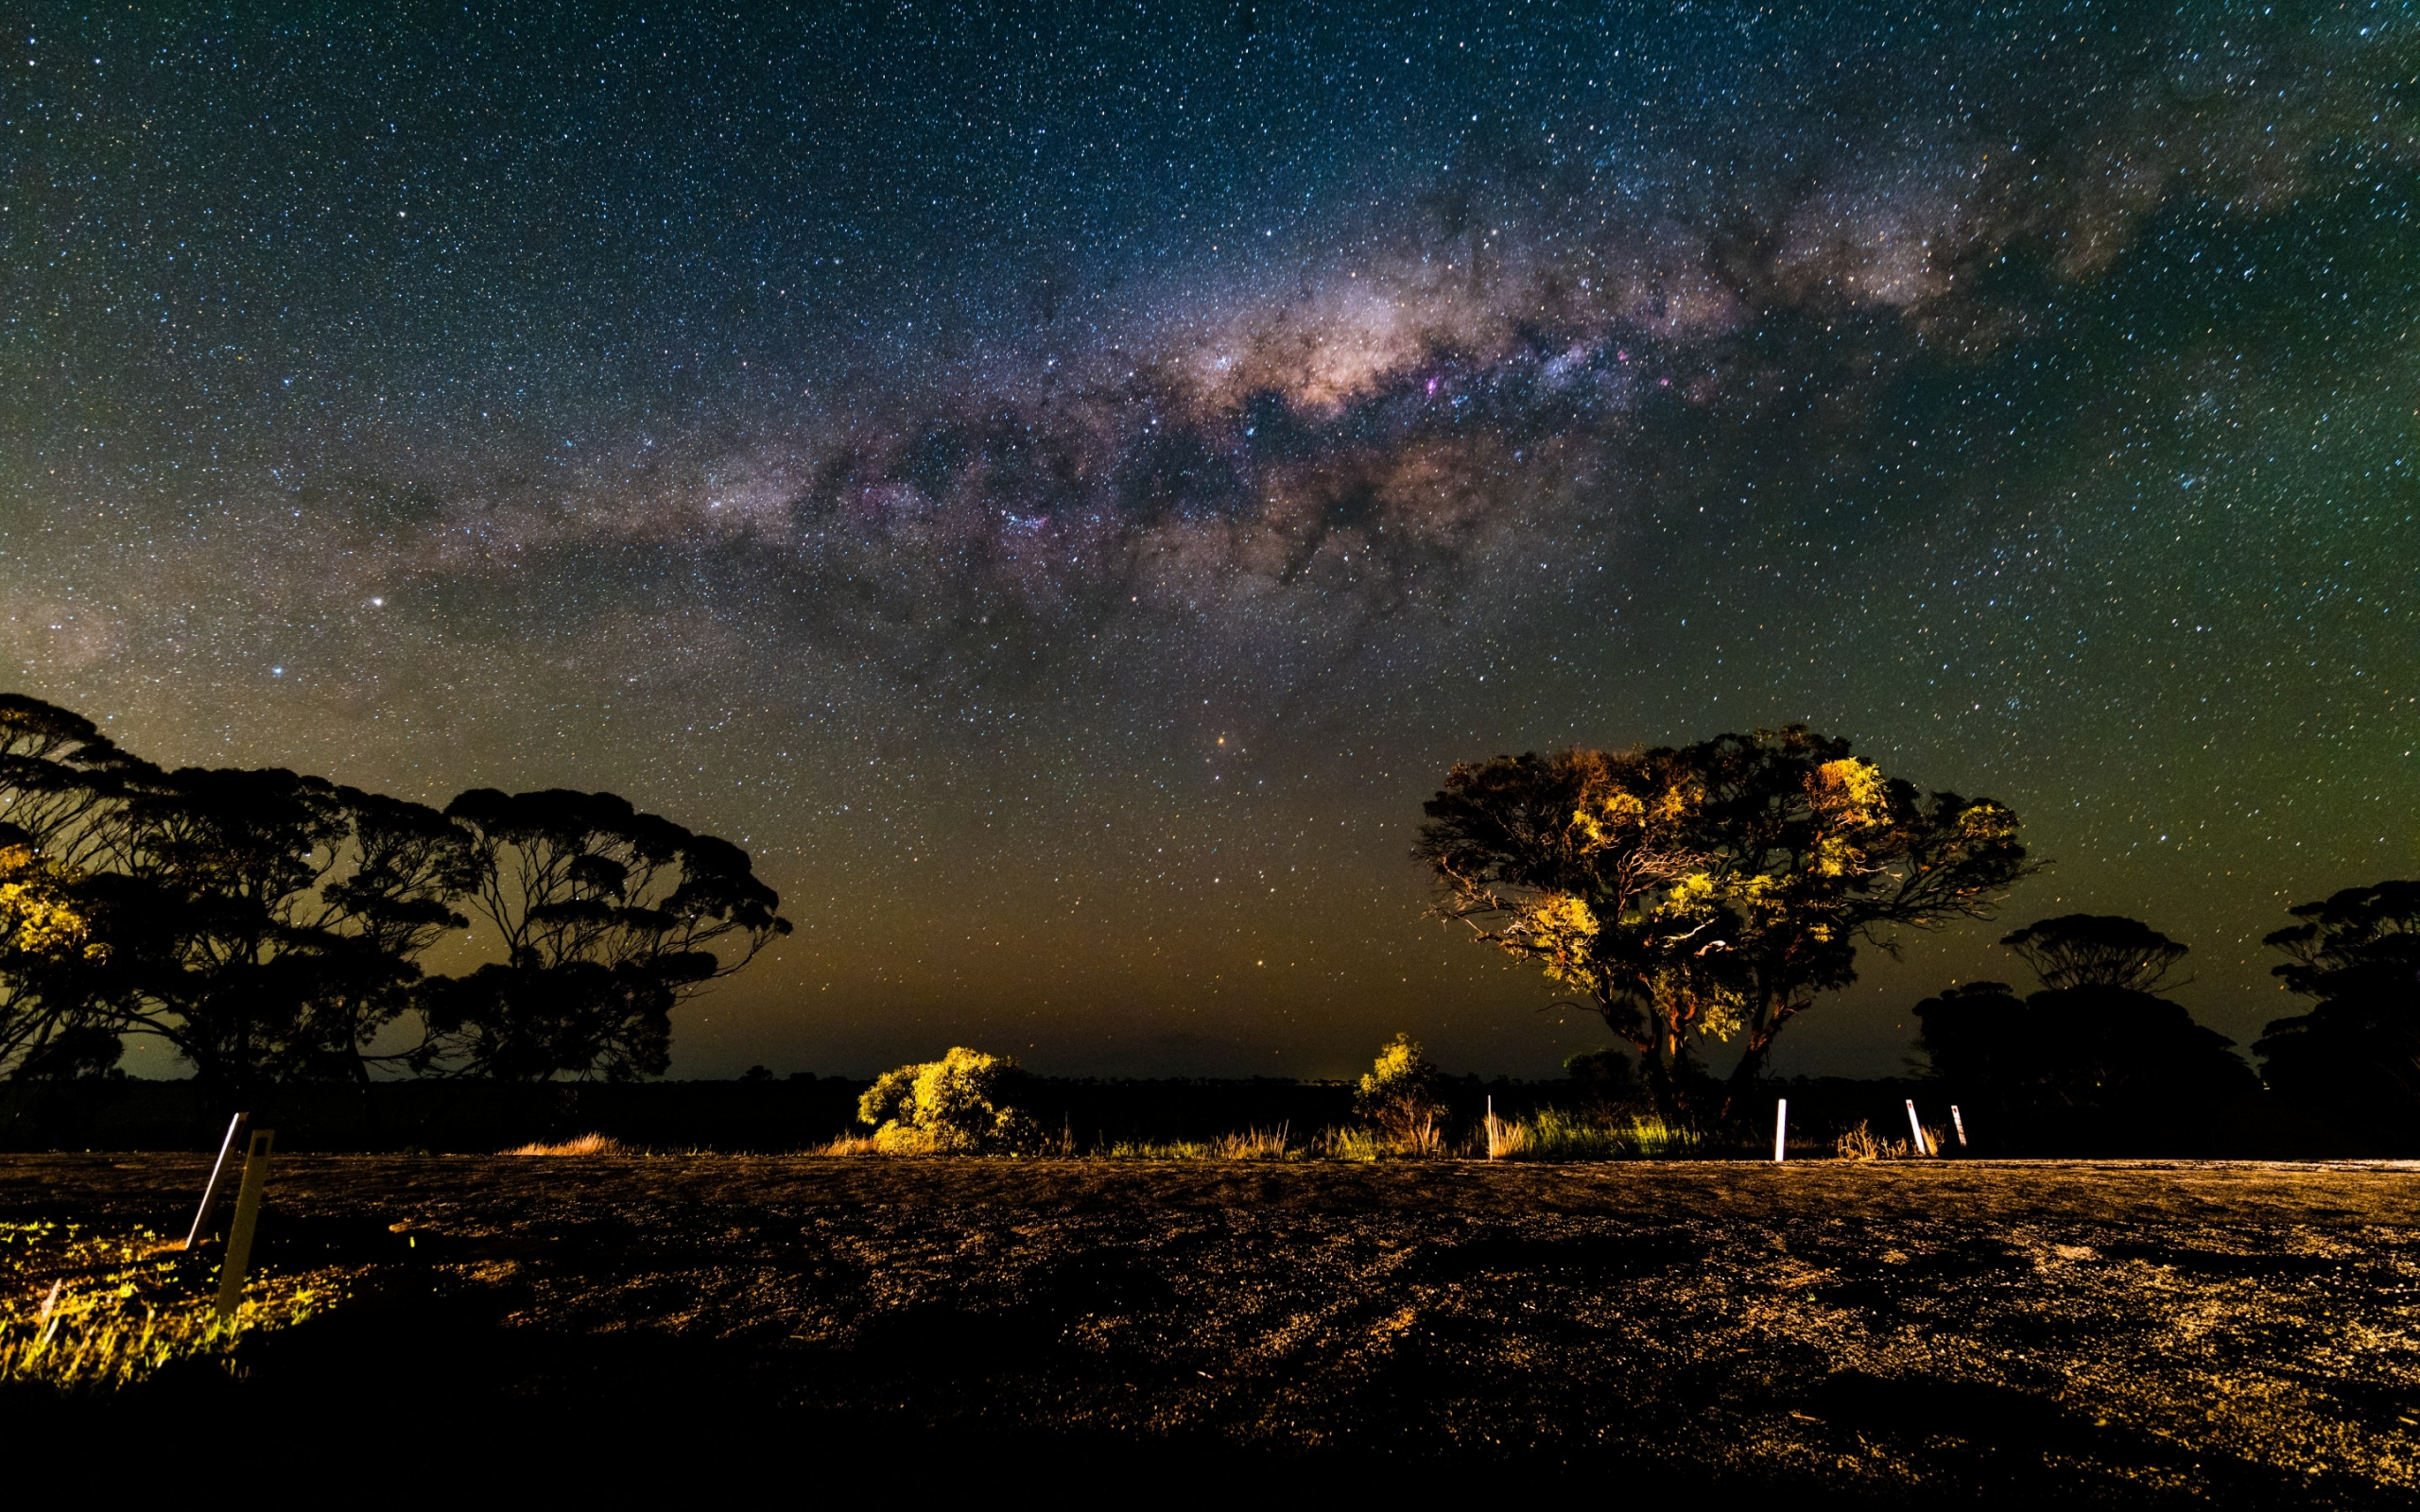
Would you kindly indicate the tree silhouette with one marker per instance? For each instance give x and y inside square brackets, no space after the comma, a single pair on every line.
[269,925]
[1707,891]
[2097,950]
[608,919]
[2355,956]
[2093,1040]
[265,923]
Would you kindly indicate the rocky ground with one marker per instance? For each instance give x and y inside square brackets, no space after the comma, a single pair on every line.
[2130,1334]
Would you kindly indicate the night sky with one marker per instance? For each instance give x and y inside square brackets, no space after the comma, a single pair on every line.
[1061,490]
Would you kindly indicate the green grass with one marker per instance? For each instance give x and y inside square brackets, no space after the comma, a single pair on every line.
[1251,1145]
[86,1311]
[1552,1134]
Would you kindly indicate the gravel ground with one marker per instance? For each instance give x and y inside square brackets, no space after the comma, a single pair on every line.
[2133,1333]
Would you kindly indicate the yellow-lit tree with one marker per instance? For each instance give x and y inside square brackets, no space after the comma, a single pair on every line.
[1711,891]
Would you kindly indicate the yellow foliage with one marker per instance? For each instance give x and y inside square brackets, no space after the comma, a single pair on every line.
[36,917]
[948,1106]
[1398,1094]
[1605,820]
[1851,791]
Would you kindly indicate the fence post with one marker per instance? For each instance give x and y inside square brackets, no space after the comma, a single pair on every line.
[239,1233]
[218,1184]
[1490,1126]
[1958,1123]
[1781,1129]
[1916,1129]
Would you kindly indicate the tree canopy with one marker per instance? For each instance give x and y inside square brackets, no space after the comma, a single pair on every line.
[2097,1038]
[1709,891]
[2097,950]
[2355,956]
[269,926]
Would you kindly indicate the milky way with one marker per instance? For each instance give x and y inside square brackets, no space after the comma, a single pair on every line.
[1062,490]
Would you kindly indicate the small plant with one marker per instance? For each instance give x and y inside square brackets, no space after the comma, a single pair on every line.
[1254,1144]
[1398,1095]
[1860,1143]
[953,1106]
[1354,1144]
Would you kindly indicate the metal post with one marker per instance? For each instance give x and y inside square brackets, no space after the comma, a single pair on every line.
[1781,1129]
[1916,1129]
[1959,1123]
[227,1149]
[239,1234]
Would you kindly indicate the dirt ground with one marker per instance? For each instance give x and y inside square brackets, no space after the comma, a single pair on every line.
[2136,1334]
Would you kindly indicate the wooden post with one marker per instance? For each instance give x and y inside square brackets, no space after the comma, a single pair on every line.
[1490,1126]
[1959,1123]
[1781,1129]
[1916,1129]
[239,1233]
[227,1149]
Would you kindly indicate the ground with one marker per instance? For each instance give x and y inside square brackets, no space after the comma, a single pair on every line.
[2133,1333]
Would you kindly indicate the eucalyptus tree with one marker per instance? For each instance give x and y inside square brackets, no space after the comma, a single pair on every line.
[1710,891]
[2356,957]
[608,917]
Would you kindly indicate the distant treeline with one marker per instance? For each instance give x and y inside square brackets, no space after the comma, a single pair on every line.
[805,1112]
[270,926]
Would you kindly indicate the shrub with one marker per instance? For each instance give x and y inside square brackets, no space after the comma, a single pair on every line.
[953,1106]
[1398,1095]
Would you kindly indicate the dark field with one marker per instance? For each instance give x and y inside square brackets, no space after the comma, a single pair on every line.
[2133,1333]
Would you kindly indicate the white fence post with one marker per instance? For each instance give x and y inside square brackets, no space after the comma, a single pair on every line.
[217,1183]
[1781,1129]
[1916,1129]
[239,1233]
[1958,1123]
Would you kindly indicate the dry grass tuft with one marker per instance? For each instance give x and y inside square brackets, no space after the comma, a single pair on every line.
[1253,1144]
[848,1144]
[1860,1143]
[585,1145]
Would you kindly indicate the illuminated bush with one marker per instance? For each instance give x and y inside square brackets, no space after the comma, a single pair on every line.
[1398,1094]
[953,1106]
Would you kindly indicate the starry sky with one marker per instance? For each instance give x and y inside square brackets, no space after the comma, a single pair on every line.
[1060,485]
